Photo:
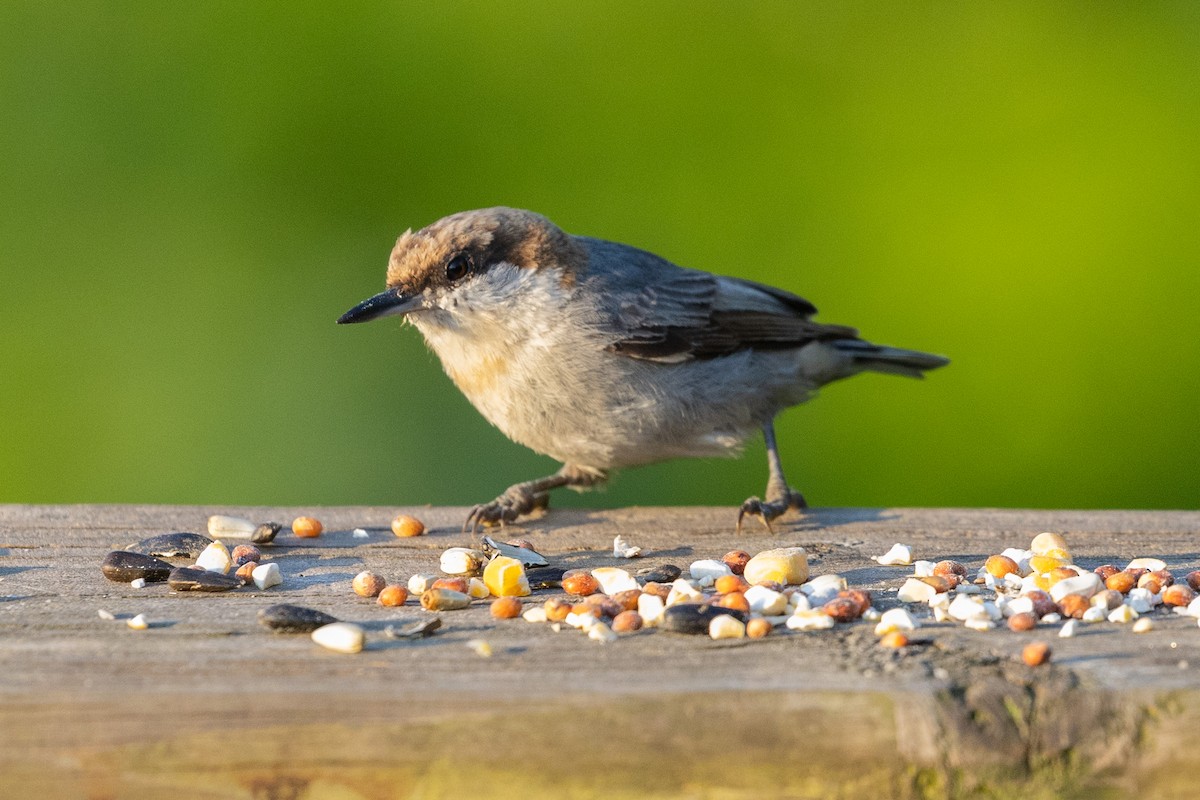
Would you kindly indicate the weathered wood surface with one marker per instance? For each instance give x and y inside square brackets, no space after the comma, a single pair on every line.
[209,704]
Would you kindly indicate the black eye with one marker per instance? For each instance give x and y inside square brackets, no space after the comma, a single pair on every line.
[458,267]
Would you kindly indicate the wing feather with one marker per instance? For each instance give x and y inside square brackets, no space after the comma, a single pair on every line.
[656,311]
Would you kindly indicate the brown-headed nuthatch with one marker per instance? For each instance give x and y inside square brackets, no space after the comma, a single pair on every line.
[605,356]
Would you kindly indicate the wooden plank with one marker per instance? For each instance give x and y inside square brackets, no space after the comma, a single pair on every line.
[209,702]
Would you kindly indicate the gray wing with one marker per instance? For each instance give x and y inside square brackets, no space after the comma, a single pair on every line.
[656,311]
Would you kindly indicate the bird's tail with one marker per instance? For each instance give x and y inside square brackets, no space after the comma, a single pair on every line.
[892,360]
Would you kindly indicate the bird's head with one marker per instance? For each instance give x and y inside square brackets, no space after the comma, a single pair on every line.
[471,262]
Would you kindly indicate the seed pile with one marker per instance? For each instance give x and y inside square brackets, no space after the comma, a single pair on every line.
[736,596]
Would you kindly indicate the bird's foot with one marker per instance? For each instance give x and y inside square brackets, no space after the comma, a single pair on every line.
[769,510]
[508,507]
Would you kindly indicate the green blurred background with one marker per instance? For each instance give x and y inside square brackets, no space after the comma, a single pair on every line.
[193,192]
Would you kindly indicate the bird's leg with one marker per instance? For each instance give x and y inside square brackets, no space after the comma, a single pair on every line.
[780,496]
[522,498]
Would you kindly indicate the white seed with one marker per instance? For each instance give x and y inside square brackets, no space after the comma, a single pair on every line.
[462,561]
[481,647]
[1086,585]
[899,555]
[1142,600]
[1143,625]
[766,601]
[682,591]
[1013,582]
[215,558]
[106,615]
[138,583]
[964,607]
[1095,614]
[1152,564]
[1053,618]
[709,568]
[580,621]
[622,549]
[1193,608]
[726,627]
[1123,614]
[1067,630]
[895,619]
[941,601]
[823,588]
[967,588]
[614,579]
[979,624]
[915,591]
[138,623]
[266,575]
[798,602]
[224,527]
[923,569]
[1018,605]
[651,608]
[811,620]
[602,633]
[417,584]
[361,533]
[534,614]
[341,637]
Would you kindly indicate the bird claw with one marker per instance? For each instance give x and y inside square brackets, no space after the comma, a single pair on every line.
[506,508]
[767,511]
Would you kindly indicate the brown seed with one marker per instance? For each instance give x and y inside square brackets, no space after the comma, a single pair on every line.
[1106,571]
[842,609]
[368,584]
[940,583]
[627,599]
[894,640]
[1110,597]
[1036,653]
[1178,595]
[580,583]
[307,527]
[657,589]
[1061,574]
[1120,582]
[246,571]
[730,583]
[455,584]
[244,553]
[735,600]
[949,569]
[1024,621]
[1073,605]
[506,608]
[627,622]
[861,598]
[405,526]
[736,561]
[394,595]
[998,566]
[758,628]
[557,609]
[1042,604]
[604,604]
[1150,583]
[1164,576]
[1193,580]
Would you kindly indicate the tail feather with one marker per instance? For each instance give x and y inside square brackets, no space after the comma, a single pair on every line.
[892,360]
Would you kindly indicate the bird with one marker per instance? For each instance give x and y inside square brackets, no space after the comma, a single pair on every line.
[604,356]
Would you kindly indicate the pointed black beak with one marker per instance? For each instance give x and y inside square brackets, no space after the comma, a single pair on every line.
[385,304]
